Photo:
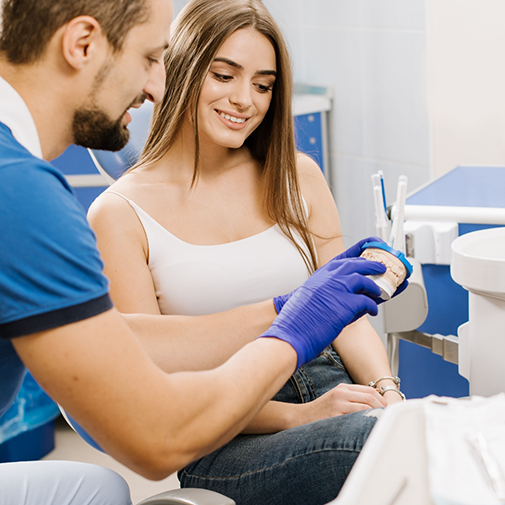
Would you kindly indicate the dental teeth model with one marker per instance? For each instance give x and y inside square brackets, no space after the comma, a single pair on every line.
[398,267]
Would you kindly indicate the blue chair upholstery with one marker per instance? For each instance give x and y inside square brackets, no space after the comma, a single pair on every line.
[113,165]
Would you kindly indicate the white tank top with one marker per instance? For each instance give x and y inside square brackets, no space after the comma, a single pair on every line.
[204,279]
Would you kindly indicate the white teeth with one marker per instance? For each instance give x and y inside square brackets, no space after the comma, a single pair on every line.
[233,119]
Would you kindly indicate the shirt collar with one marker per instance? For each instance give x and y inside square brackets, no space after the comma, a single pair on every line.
[15,114]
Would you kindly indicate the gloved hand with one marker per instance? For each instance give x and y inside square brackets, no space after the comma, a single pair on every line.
[353,252]
[334,296]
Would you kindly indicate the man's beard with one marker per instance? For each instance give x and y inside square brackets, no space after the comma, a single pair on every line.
[93,128]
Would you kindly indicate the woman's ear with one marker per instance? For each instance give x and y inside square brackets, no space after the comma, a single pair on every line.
[82,40]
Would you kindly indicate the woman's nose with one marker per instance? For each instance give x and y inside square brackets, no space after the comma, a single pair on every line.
[241,95]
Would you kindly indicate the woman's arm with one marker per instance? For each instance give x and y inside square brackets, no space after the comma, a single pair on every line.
[359,345]
[342,399]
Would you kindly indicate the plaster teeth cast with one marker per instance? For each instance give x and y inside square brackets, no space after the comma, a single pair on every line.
[398,267]
[233,119]
[396,271]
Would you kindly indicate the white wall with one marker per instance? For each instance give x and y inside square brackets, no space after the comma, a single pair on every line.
[466,82]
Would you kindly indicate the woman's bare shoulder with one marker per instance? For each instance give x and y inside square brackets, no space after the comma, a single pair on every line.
[311,178]
[112,208]
[307,166]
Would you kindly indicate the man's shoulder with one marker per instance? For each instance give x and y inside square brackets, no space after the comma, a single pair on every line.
[10,146]
[19,166]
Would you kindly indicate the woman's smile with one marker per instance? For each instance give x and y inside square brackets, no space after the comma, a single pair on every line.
[232,121]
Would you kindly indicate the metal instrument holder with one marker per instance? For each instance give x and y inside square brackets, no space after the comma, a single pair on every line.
[405,313]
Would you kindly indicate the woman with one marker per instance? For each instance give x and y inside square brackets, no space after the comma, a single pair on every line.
[219,216]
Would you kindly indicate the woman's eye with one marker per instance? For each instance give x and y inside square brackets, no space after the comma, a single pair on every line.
[221,77]
[264,88]
[152,61]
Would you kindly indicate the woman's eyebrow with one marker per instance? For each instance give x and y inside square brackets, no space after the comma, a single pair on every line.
[240,67]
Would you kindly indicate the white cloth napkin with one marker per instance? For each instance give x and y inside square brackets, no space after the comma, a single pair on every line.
[465,441]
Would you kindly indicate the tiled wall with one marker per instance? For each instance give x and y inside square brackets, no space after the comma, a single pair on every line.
[373,54]
[178,5]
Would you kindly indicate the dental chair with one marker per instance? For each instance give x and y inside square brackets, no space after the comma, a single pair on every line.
[397,443]
[399,322]
[188,496]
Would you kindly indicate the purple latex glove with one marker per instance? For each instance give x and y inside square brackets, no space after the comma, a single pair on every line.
[353,252]
[335,295]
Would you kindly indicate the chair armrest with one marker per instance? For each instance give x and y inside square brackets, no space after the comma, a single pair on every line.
[188,496]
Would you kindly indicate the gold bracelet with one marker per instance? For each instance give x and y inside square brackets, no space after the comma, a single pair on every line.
[396,380]
[382,390]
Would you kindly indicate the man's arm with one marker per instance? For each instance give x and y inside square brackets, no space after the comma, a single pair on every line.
[152,422]
[192,343]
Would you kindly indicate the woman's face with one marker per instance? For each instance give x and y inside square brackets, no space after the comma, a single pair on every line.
[237,91]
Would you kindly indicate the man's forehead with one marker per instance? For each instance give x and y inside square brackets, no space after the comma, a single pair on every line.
[160,9]
[154,33]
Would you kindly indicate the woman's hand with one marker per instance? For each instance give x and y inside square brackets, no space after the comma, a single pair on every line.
[342,399]
[392,397]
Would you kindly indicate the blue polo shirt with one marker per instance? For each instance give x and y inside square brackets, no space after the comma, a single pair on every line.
[50,268]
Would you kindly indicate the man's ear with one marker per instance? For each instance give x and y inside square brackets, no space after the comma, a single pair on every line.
[82,39]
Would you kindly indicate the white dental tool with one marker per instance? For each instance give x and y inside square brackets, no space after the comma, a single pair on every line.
[381,219]
[488,465]
[397,238]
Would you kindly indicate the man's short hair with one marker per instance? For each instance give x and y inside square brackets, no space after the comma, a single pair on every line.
[29,25]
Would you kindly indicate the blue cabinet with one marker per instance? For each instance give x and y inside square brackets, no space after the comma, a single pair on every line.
[311,105]
[309,136]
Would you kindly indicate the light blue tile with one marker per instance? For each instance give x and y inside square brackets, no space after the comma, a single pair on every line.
[178,5]
[285,12]
[410,14]
[333,58]
[395,97]
[331,13]
[287,15]
[294,37]
[351,188]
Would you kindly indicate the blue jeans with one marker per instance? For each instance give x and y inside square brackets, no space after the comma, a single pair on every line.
[306,465]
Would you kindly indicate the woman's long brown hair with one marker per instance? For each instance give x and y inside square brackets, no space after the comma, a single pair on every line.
[198,33]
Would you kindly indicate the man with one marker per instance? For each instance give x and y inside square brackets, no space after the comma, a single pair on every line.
[69,73]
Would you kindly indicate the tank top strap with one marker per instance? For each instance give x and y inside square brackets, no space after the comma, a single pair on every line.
[141,213]
[118,194]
